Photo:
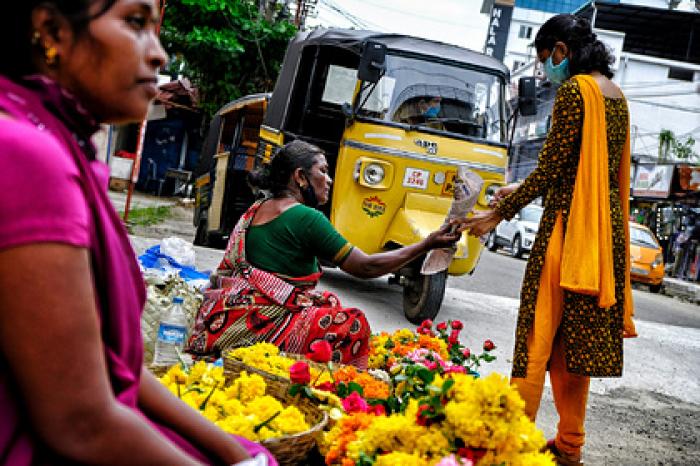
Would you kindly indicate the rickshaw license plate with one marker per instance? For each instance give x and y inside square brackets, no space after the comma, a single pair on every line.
[640,271]
[416,178]
[448,187]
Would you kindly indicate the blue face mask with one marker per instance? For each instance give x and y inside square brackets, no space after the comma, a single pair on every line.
[556,73]
[432,112]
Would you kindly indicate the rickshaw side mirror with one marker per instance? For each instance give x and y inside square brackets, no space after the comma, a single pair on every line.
[372,62]
[527,96]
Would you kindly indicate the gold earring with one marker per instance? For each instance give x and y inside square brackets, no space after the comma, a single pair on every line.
[51,55]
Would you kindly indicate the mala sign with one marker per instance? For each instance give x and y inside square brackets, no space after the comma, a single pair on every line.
[499,25]
[416,178]
[373,206]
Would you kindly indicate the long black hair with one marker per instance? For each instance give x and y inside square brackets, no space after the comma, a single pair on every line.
[275,176]
[587,52]
[16,29]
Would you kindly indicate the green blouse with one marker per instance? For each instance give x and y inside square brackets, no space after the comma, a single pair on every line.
[291,243]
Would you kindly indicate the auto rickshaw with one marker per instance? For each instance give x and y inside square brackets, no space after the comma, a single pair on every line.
[396,116]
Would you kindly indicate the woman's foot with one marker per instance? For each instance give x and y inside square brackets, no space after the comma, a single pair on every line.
[563,459]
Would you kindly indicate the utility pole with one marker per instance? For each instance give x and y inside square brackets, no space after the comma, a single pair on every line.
[136,166]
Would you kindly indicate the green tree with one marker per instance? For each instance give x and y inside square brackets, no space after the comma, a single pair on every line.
[669,143]
[228,48]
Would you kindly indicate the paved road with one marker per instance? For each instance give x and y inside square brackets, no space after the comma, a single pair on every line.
[501,275]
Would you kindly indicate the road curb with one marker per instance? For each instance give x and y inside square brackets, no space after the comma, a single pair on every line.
[687,291]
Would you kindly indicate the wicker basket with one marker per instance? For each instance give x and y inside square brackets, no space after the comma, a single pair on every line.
[289,450]
[292,450]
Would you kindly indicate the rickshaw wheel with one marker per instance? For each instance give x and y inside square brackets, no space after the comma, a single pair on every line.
[422,296]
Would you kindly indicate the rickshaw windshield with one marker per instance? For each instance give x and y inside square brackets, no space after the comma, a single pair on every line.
[439,96]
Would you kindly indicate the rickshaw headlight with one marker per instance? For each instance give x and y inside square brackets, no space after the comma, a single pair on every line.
[373,174]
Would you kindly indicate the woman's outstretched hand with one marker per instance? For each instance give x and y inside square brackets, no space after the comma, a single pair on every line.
[480,223]
[445,237]
[502,192]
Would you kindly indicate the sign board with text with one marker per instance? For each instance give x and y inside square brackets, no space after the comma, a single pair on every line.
[499,26]
[653,180]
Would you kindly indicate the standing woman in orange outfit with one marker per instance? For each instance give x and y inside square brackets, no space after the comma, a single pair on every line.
[576,303]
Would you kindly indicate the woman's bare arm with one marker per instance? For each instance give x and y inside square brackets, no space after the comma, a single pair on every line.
[364,265]
[50,338]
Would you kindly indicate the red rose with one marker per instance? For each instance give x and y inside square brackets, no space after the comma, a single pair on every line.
[488,345]
[457,325]
[454,337]
[427,323]
[442,326]
[299,373]
[421,418]
[354,403]
[321,351]
[466,353]
[326,386]
[378,410]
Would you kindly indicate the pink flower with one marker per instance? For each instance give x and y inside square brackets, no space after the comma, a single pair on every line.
[457,325]
[459,369]
[354,403]
[466,353]
[299,373]
[321,351]
[452,460]
[430,365]
[427,323]
[442,326]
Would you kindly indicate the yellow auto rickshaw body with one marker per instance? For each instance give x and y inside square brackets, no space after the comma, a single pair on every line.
[396,116]
[401,210]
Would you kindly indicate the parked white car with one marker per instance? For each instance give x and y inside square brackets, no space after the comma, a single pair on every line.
[518,233]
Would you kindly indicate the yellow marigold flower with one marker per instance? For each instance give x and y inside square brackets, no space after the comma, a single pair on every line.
[290,421]
[398,458]
[263,407]
[240,425]
[233,407]
[246,387]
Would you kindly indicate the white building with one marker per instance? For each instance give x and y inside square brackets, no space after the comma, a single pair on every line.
[657,59]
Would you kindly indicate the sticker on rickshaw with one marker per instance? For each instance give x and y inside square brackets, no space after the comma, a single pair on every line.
[373,206]
[416,178]
[448,187]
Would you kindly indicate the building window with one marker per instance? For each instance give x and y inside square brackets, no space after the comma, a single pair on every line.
[682,74]
[525,32]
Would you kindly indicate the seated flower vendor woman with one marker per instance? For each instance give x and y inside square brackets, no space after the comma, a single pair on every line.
[263,289]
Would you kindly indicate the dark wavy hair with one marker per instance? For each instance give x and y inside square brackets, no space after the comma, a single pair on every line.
[587,52]
[16,29]
[275,176]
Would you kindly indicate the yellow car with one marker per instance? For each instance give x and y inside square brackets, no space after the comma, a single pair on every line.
[647,259]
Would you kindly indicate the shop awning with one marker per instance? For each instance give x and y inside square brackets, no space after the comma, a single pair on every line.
[655,32]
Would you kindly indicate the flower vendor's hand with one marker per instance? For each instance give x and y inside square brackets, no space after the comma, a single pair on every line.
[481,222]
[445,237]
[502,192]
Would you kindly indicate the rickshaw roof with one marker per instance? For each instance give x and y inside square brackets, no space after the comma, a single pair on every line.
[352,40]
[242,102]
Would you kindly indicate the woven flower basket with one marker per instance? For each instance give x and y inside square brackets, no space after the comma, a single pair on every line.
[289,450]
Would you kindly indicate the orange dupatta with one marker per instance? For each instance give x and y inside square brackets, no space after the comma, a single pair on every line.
[587,254]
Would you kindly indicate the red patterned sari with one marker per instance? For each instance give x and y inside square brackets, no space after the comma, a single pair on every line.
[247,305]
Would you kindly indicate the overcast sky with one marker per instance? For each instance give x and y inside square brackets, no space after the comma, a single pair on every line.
[454,21]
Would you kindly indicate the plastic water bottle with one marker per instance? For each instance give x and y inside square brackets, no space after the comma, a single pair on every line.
[172,331]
